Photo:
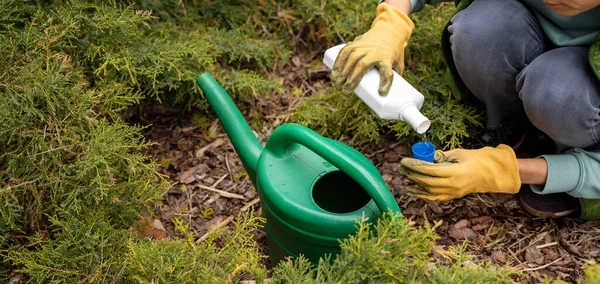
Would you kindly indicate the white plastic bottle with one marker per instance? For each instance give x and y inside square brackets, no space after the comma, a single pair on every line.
[402,102]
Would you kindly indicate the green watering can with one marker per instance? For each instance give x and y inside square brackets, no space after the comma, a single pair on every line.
[312,189]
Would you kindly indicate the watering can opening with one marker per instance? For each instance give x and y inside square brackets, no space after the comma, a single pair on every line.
[337,192]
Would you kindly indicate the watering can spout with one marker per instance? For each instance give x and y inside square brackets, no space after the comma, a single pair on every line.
[236,127]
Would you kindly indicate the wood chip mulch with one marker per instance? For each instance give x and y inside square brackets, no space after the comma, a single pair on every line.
[210,187]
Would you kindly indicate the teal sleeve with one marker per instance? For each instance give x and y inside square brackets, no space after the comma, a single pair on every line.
[576,173]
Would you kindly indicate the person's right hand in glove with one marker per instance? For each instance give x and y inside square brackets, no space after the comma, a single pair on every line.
[459,172]
[382,46]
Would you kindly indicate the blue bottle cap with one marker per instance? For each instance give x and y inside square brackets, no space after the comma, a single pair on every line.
[423,151]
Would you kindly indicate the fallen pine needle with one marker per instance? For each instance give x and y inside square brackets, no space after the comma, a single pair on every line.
[268,280]
[220,225]
[547,245]
[215,143]
[254,201]
[222,192]
[543,266]
[228,220]
[219,180]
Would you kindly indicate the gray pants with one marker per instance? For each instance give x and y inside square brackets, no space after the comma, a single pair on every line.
[504,58]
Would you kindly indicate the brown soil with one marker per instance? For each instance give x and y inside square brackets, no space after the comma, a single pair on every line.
[199,159]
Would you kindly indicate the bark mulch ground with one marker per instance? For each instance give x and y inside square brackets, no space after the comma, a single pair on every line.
[210,187]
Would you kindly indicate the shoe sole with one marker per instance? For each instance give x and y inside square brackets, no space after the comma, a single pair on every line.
[545,214]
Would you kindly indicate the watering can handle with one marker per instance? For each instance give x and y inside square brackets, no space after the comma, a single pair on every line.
[354,165]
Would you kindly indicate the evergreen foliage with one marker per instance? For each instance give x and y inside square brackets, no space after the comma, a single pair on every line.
[224,257]
[386,251]
[83,248]
[73,177]
[379,253]
[592,273]
[391,251]
[451,121]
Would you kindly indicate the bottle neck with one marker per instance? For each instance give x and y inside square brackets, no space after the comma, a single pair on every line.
[411,114]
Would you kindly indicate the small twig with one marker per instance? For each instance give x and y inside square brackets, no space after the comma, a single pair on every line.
[220,225]
[21,184]
[489,231]
[569,247]
[228,219]
[588,261]
[227,165]
[489,204]
[541,237]
[514,256]
[189,202]
[267,280]
[249,204]
[172,186]
[222,192]
[58,134]
[547,245]
[114,280]
[51,150]
[519,241]
[543,266]
[215,143]
[219,180]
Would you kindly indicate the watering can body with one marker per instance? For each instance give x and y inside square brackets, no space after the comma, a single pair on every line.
[313,189]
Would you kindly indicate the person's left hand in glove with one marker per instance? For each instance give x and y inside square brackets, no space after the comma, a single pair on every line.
[459,172]
[382,47]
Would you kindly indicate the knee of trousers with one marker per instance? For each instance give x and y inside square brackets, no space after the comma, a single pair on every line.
[561,96]
[492,27]
[491,42]
[565,120]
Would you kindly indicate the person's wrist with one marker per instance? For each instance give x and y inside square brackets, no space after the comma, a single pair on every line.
[402,5]
[533,171]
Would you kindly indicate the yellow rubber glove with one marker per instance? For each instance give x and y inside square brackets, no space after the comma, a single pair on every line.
[459,172]
[381,46]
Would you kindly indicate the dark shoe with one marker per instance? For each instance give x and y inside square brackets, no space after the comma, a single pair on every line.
[549,205]
[536,143]
[517,132]
[511,136]
[512,132]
